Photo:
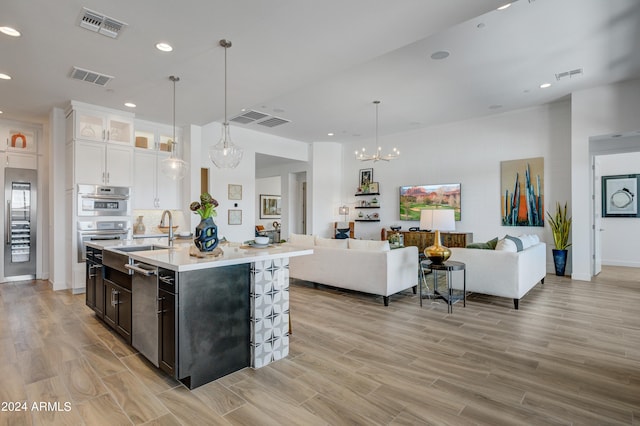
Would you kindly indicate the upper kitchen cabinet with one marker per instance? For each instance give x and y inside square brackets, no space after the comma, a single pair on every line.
[100,164]
[154,136]
[19,140]
[91,123]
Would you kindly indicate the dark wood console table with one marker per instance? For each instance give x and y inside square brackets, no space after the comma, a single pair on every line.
[424,239]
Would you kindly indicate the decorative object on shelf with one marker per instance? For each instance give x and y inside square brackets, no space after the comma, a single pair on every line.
[139,227]
[560,227]
[522,207]
[206,238]
[225,154]
[438,220]
[377,156]
[374,202]
[344,210]
[173,166]
[414,198]
[235,217]
[18,137]
[270,206]
[235,192]
[366,177]
[620,196]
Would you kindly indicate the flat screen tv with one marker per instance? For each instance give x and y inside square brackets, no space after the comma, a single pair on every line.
[418,197]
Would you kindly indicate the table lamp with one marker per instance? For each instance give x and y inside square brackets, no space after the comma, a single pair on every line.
[438,220]
[344,210]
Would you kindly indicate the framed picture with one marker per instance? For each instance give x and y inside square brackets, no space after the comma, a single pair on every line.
[235,192]
[366,177]
[522,192]
[270,207]
[620,195]
[235,217]
[374,187]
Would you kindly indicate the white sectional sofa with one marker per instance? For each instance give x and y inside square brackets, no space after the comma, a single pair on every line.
[502,272]
[361,265]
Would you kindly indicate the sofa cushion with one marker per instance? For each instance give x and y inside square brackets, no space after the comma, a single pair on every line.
[489,245]
[302,240]
[517,241]
[506,244]
[371,245]
[329,242]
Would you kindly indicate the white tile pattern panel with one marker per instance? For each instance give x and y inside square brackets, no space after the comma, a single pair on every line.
[269,311]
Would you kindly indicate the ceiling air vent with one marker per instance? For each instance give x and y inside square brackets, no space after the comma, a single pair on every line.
[99,23]
[273,122]
[248,117]
[569,74]
[90,76]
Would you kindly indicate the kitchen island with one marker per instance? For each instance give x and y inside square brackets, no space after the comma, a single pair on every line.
[196,318]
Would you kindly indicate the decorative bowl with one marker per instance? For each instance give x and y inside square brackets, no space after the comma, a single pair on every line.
[261,240]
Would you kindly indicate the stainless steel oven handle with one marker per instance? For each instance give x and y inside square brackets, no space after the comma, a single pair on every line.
[138,269]
[105,197]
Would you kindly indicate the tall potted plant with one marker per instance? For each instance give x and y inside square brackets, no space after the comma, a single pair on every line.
[560,228]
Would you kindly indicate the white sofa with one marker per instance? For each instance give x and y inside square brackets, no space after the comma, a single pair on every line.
[360,265]
[502,273]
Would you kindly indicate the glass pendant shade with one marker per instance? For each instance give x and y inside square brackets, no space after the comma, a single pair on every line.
[174,167]
[225,154]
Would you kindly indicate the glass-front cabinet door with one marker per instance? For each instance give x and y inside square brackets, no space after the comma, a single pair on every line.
[20,214]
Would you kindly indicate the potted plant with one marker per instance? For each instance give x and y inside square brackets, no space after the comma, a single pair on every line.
[560,228]
[206,232]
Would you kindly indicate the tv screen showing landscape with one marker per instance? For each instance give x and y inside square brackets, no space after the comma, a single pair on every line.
[415,198]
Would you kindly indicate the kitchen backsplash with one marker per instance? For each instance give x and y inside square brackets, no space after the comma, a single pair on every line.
[151,220]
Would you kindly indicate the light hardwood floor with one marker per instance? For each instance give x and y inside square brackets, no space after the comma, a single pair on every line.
[570,355]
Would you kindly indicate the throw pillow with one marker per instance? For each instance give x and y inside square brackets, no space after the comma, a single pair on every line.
[302,240]
[506,244]
[329,242]
[370,245]
[489,245]
[517,241]
[342,233]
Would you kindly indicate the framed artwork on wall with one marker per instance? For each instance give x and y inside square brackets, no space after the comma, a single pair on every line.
[522,192]
[620,196]
[366,177]
[235,192]
[270,206]
[235,217]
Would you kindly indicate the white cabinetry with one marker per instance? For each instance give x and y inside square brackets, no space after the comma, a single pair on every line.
[151,188]
[100,126]
[19,160]
[103,164]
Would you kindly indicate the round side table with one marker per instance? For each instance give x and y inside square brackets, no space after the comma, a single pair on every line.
[449,266]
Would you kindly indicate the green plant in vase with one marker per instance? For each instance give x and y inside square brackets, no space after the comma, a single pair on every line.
[206,232]
[560,225]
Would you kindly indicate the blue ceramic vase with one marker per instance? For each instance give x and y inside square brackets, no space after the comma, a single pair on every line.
[560,261]
[206,235]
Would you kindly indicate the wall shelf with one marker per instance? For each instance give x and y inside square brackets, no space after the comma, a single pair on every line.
[367,193]
[366,207]
[367,220]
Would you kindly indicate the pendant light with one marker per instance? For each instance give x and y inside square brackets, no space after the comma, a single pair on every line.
[225,154]
[377,155]
[174,167]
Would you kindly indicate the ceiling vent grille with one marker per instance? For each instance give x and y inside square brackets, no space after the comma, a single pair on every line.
[273,122]
[99,23]
[90,76]
[248,117]
[569,74]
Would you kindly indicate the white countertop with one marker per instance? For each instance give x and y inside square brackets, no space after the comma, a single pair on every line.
[178,259]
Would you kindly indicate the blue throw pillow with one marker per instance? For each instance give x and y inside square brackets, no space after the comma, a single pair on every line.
[342,233]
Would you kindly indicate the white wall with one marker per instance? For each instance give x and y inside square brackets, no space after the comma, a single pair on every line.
[620,245]
[470,152]
[325,188]
[597,111]
[245,174]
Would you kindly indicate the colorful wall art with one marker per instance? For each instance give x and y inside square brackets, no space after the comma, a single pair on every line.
[522,192]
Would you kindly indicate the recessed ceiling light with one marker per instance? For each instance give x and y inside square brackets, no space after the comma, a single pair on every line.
[165,47]
[545,85]
[1,112]
[10,31]
[129,104]
[441,54]
[480,25]
[5,77]
[504,6]
[329,134]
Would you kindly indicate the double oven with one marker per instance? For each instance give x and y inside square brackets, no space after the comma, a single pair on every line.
[104,213]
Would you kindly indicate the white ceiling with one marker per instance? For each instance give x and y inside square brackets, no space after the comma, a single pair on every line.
[319,64]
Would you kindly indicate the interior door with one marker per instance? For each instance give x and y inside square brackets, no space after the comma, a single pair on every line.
[597,216]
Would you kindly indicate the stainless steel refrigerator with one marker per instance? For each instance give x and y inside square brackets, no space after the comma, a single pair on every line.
[20,224]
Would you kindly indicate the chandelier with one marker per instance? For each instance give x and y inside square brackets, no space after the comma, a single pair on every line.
[377,155]
[174,167]
[225,154]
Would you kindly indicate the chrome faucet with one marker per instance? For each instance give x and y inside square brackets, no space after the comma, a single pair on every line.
[167,212]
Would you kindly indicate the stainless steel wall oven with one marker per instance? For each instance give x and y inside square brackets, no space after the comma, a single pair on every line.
[95,200]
